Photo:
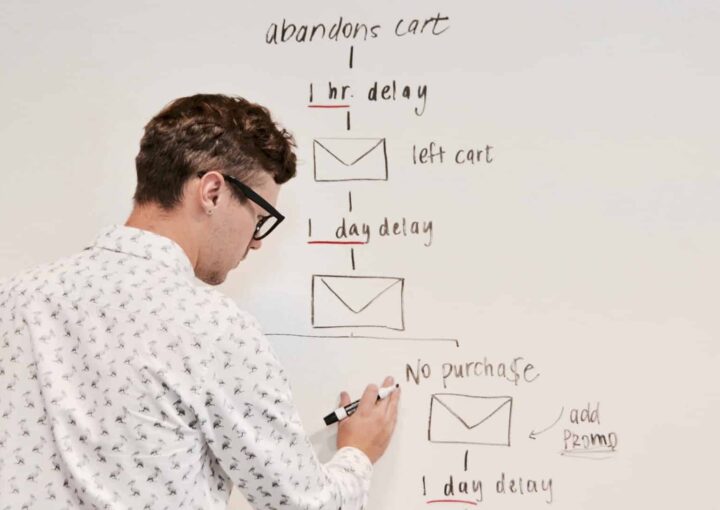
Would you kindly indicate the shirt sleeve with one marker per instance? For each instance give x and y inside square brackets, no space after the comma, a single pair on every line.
[253,429]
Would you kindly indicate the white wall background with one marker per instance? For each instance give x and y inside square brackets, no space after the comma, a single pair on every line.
[589,246]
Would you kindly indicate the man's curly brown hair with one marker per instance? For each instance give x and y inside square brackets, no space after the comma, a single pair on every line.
[209,132]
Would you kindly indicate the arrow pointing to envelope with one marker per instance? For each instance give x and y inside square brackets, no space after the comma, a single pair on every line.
[533,434]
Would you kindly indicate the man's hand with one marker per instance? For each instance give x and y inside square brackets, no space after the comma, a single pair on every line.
[371,426]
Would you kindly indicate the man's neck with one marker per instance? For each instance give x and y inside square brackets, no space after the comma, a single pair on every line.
[154,218]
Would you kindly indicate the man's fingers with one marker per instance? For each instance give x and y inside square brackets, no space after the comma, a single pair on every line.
[344,399]
[368,399]
[373,424]
[385,403]
[392,405]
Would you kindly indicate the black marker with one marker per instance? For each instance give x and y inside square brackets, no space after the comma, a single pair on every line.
[343,412]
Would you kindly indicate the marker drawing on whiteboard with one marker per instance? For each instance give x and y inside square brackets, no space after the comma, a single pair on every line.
[353,336]
[343,412]
[341,301]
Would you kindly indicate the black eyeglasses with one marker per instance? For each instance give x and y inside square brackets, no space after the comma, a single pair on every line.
[266,224]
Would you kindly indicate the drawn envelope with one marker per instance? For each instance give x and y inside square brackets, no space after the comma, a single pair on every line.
[350,159]
[357,301]
[456,418]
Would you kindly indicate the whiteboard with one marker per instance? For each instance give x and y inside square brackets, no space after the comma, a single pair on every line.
[531,187]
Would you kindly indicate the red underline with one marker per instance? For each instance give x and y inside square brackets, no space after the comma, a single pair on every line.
[328,106]
[466,501]
[336,242]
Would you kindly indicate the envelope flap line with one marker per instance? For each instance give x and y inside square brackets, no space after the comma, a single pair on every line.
[359,309]
[345,160]
[464,422]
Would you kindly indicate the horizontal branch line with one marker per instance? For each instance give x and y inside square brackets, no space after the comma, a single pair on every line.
[362,337]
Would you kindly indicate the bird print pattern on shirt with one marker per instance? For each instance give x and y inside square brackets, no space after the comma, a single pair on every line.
[127,384]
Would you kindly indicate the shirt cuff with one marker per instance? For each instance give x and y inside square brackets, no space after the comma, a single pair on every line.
[356,470]
[357,458]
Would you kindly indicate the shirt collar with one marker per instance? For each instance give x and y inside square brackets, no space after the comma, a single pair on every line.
[146,245]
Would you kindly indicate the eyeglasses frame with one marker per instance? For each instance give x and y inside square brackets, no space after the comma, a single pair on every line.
[254,197]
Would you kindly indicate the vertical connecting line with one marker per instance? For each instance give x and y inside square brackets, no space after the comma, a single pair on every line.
[351,57]
[347,119]
[309,227]
[352,257]
[350,200]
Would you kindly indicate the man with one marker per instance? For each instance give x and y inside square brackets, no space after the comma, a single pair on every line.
[125,384]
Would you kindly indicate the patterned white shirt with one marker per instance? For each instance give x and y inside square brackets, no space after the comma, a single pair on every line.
[127,384]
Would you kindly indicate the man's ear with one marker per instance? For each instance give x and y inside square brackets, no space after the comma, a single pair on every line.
[209,189]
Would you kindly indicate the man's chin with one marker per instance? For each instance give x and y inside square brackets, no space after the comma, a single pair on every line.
[214,278]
